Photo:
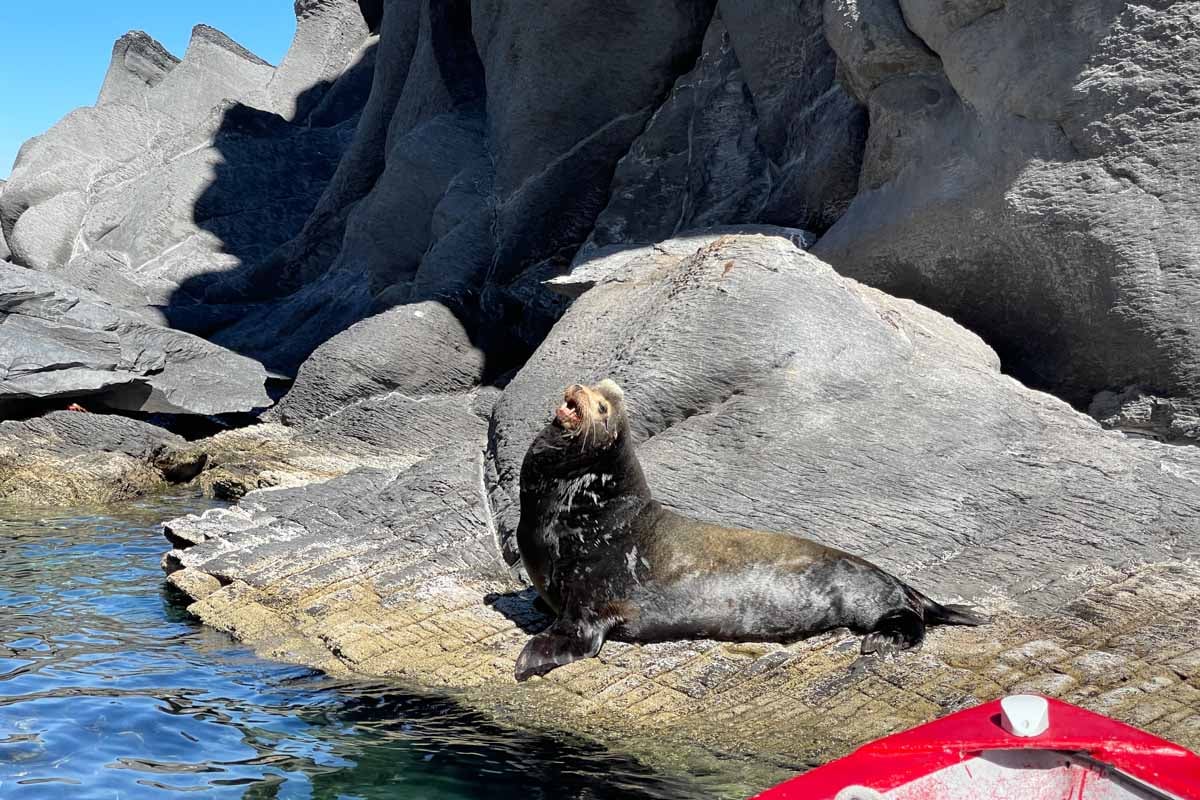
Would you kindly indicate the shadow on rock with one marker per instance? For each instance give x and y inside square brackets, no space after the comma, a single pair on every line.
[267,175]
[524,609]
[475,173]
[402,219]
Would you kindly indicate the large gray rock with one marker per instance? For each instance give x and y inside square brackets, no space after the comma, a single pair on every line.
[48,193]
[72,459]
[902,441]
[756,129]
[1028,173]
[812,131]
[226,191]
[186,170]
[559,118]
[364,249]
[59,341]
[314,249]
[240,182]
[420,233]
[768,391]
[417,349]
[698,162]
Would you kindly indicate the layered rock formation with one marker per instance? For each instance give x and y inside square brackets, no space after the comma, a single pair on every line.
[456,151]
[74,459]
[277,207]
[1054,141]
[60,341]
[767,391]
[186,168]
[435,215]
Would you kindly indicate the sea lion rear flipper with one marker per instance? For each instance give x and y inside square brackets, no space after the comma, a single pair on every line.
[953,614]
[935,613]
[563,642]
[897,630]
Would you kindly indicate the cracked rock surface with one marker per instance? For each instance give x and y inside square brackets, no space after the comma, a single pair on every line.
[57,341]
[436,214]
[765,390]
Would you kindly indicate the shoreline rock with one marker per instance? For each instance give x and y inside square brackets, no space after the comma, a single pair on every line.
[1078,540]
[58,341]
[70,459]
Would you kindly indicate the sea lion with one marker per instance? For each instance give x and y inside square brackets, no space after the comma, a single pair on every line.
[614,563]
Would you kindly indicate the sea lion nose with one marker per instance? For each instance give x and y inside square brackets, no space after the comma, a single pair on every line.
[573,389]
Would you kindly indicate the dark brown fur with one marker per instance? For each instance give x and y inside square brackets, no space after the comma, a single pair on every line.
[614,563]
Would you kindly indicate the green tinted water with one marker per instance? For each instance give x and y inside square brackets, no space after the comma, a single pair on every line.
[108,689]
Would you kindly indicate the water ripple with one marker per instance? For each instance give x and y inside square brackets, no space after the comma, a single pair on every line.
[108,689]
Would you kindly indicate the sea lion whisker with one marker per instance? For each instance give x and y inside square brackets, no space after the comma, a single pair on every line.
[587,432]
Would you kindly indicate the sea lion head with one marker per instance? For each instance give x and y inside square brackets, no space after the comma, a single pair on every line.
[589,426]
[593,415]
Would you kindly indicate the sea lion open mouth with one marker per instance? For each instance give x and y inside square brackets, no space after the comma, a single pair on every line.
[568,413]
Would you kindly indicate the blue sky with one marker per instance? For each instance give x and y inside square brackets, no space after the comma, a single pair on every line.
[53,55]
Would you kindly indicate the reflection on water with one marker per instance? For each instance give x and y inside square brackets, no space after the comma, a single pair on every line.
[109,690]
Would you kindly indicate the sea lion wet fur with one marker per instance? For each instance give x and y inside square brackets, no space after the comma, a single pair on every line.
[614,563]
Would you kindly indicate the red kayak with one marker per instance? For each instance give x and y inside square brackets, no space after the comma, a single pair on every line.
[1024,747]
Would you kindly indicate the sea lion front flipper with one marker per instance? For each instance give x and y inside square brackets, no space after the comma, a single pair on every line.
[563,642]
[897,630]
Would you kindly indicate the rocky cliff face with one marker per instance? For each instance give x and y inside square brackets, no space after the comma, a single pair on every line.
[458,154]
[1054,140]
[432,216]
[404,152]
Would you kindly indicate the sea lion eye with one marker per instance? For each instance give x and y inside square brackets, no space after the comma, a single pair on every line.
[603,408]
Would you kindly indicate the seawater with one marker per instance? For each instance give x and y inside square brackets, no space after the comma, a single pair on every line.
[109,689]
